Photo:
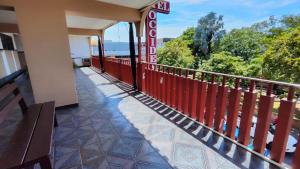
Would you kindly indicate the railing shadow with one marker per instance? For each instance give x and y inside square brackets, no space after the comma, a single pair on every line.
[226,148]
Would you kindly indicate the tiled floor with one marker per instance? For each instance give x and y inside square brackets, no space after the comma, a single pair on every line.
[116,127]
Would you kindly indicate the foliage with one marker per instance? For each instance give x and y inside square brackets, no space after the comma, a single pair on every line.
[291,21]
[176,53]
[245,43]
[224,62]
[208,33]
[188,36]
[282,59]
[254,68]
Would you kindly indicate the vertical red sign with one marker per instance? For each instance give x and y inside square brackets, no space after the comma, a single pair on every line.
[151,29]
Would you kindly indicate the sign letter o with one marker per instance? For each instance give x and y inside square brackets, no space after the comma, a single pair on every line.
[152,15]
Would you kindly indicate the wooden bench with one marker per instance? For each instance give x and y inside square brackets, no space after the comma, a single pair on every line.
[31,140]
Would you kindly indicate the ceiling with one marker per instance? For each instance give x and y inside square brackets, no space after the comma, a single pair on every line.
[87,23]
[8,16]
[137,4]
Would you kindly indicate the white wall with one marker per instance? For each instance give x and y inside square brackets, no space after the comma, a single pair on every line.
[79,46]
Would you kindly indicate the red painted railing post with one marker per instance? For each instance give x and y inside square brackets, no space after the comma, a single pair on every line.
[247,114]
[179,91]
[283,126]
[186,92]
[151,84]
[158,83]
[155,82]
[201,99]
[296,158]
[211,102]
[263,120]
[233,109]
[169,88]
[221,105]
[174,86]
[193,96]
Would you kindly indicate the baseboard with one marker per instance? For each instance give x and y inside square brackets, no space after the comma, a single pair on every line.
[67,106]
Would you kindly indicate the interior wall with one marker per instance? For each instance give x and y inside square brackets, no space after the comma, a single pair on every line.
[42,25]
[80,47]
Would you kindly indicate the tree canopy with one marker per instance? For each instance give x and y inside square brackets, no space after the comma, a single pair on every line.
[245,43]
[176,53]
[224,62]
[208,33]
[269,49]
[282,59]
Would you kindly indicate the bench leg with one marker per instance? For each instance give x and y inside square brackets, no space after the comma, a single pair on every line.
[55,121]
[46,163]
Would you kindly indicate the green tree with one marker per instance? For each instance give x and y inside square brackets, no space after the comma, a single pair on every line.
[244,42]
[188,36]
[176,53]
[282,59]
[224,62]
[208,33]
[254,68]
[291,21]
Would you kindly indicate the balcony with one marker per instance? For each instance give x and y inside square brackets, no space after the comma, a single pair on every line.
[237,109]
[116,126]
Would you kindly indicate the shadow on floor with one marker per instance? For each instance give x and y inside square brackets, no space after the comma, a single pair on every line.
[229,150]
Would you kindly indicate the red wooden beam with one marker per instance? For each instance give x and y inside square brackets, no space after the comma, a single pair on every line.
[169,88]
[174,86]
[186,92]
[193,96]
[211,102]
[233,109]
[201,99]
[283,127]
[221,106]
[247,114]
[263,120]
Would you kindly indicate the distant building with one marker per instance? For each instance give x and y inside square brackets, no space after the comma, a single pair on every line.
[161,41]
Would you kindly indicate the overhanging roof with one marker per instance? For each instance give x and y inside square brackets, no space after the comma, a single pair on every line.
[88,23]
[137,4]
[92,14]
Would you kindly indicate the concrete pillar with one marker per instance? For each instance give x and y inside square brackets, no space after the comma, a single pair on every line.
[42,25]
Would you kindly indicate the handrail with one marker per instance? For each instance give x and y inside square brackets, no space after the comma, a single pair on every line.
[233,76]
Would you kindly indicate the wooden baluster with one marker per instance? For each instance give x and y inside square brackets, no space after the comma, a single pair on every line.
[283,126]
[193,96]
[263,120]
[247,114]
[164,85]
[201,98]
[221,105]
[152,79]
[158,84]
[233,109]
[155,81]
[169,88]
[211,102]
[186,92]
[174,86]
[179,91]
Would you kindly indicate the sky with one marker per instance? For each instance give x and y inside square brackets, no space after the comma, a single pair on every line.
[186,13]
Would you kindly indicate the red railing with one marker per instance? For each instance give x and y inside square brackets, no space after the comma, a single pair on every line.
[119,68]
[215,99]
